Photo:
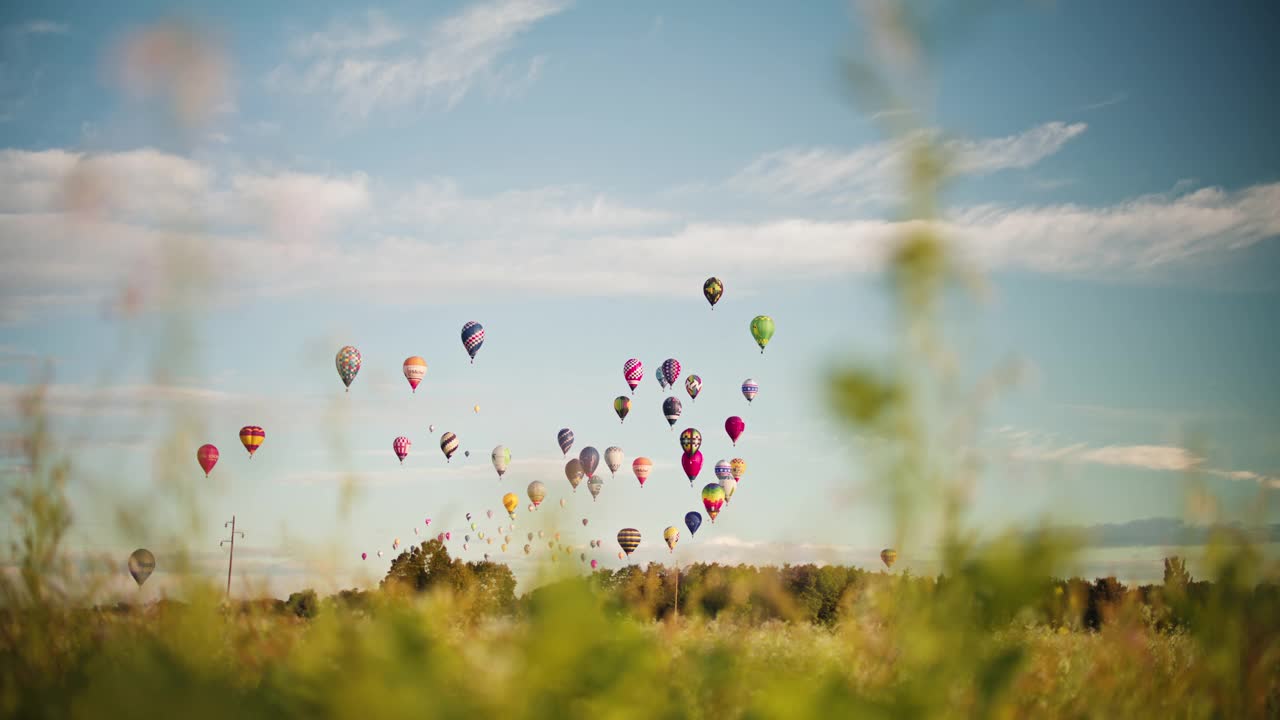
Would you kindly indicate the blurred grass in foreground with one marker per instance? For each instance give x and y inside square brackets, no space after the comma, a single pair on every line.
[974,643]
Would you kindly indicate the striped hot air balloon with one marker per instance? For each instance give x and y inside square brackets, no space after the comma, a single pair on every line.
[633,373]
[671,407]
[628,540]
[448,445]
[565,439]
[888,556]
[750,389]
[415,368]
[251,436]
[641,466]
[712,499]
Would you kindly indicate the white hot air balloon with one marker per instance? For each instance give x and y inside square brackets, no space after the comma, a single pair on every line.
[613,458]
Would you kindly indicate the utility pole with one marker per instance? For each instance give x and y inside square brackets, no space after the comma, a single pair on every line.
[232,557]
[677,599]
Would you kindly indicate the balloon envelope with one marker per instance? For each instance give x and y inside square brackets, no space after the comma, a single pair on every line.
[712,499]
[501,458]
[722,470]
[671,407]
[573,471]
[207,456]
[762,330]
[510,501]
[642,466]
[693,521]
[692,464]
[565,439]
[750,389]
[448,445]
[672,536]
[888,556]
[690,440]
[415,368]
[401,447]
[613,458]
[662,379]
[590,459]
[633,372]
[693,386]
[141,564]
[671,371]
[734,426]
[622,406]
[252,436]
[712,289]
[472,338]
[737,468]
[537,492]
[628,540]
[595,485]
[348,361]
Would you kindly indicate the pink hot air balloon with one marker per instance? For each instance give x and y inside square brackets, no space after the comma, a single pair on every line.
[364,556]
[633,372]
[692,463]
[207,456]
[448,536]
[440,537]
[401,446]
[734,426]
[595,564]
[428,521]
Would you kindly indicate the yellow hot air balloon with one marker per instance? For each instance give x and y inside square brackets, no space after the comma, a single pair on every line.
[672,536]
[476,409]
[510,501]
[888,556]
[415,368]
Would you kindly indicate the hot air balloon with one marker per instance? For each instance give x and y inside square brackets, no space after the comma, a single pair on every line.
[467,454]
[628,540]
[527,549]
[573,471]
[415,531]
[672,536]
[729,485]
[501,458]
[734,426]
[448,535]
[431,428]
[401,446]
[348,362]
[671,371]
[428,521]
[723,470]
[690,440]
[737,468]
[671,407]
[762,330]
[530,537]
[251,436]
[364,556]
[488,514]
[584,522]
[379,553]
[530,507]
[595,564]
[693,386]
[692,464]
[622,406]
[537,491]
[633,373]
[207,456]
[619,555]
[750,389]
[595,485]
[415,368]
[141,564]
[511,501]
[641,466]
[448,445]
[468,516]
[888,556]
[693,521]
[712,289]
[563,502]
[475,409]
[662,379]
[465,546]
[565,438]
[472,338]
[590,460]
[613,459]
[712,499]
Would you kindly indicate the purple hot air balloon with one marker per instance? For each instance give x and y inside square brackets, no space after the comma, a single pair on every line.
[671,371]
[590,460]
[692,463]
[734,426]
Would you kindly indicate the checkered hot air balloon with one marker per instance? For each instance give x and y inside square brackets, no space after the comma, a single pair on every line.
[401,446]
[690,440]
[633,373]
[472,338]
[348,362]
[251,436]
[671,371]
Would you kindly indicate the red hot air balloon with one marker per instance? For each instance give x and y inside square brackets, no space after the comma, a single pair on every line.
[734,426]
[692,463]
[633,373]
[207,456]
[364,556]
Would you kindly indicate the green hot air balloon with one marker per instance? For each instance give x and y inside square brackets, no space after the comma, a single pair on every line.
[762,330]
[712,289]
[622,406]
[141,564]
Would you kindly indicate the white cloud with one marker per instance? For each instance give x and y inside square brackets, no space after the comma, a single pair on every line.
[809,172]
[366,69]
[300,205]
[112,400]
[42,27]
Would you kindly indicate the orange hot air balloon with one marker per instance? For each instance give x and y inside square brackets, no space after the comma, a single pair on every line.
[251,436]
[415,368]
[889,556]
[641,466]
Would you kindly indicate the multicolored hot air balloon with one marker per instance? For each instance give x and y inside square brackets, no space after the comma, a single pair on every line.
[594,485]
[537,492]
[723,470]
[415,368]
[348,362]
[641,466]
[712,289]
[693,386]
[622,406]
[662,379]
[671,407]
[573,471]
[565,438]
[690,440]
[737,468]
[889,556]
[712,499]
[401,446]
[671,371]
[628,540]
[734,426]
[590,459]
[613,459]
[692,464]
[693,521]
[633,373]
[750,389]
[511,501]
[672,536]
[141,564]
[251,436]
[501,458]
[762,330]
[207,456]
[448,445]
[472,338]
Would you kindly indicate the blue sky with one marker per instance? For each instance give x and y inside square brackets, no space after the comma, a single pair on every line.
[315,174]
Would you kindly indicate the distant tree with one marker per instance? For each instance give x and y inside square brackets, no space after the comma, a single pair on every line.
[1176,576]
[304,604]
[489,586]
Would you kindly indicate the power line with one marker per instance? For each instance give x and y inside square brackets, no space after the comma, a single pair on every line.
[232,557]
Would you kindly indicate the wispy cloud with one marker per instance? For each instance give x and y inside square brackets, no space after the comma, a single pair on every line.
[377,66]
[1114,99]
[837,173]
[1164,532]
[42,27]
